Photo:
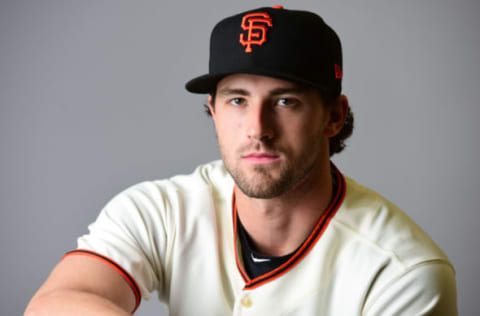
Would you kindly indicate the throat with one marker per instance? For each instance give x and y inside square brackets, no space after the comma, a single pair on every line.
[256,263]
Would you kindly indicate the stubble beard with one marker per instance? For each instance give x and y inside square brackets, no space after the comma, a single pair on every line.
[270,181]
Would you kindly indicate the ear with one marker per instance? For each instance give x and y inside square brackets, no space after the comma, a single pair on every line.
[338,113]
[211,107]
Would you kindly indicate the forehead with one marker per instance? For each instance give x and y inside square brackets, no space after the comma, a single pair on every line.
[256,83]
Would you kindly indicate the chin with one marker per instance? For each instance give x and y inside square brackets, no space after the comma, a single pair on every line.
[263,184]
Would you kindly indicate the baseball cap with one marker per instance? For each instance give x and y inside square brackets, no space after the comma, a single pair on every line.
[272,41]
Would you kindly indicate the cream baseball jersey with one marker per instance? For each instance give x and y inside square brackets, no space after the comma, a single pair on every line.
[179,237]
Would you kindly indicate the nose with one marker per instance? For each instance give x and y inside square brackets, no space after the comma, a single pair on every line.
[260,123]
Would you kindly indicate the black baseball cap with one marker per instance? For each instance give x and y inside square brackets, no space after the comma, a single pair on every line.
[275,42]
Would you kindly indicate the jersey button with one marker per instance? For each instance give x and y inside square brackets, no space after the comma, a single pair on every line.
[246,301]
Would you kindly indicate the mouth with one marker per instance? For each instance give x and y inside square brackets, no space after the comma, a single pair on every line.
[261,157]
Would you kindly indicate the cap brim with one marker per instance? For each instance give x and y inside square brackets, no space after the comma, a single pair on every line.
[204,84]
[208,83]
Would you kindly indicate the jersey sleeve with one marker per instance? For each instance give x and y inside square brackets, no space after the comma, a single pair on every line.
[425,289]
[131,232]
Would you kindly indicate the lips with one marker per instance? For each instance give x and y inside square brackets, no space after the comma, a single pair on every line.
[260,157]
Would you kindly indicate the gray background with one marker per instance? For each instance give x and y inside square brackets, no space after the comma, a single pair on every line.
[92,101]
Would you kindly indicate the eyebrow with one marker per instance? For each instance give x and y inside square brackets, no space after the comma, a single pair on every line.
[274,92]
[289,90]
[229,91]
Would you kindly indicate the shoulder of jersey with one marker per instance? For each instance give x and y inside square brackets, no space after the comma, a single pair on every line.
[374,219]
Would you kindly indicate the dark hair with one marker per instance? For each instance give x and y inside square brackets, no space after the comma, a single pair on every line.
[337,142]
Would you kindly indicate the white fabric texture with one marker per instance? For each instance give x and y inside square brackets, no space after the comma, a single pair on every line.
[176,236]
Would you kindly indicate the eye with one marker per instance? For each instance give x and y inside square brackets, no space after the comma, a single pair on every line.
[237,101]
[287,102]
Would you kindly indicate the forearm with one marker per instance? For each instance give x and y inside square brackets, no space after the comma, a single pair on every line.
[72,303]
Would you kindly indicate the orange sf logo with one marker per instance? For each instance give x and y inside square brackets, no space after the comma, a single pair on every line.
[256,25]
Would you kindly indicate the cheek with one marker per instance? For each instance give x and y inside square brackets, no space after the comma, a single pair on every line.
[228,127]
[301,129]
[226,133]
[310,134]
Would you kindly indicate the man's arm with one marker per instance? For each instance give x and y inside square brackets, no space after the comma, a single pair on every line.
[81,285]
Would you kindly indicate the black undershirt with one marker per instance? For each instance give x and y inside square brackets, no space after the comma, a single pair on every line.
[257,264]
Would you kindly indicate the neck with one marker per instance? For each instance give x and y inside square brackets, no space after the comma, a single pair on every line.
[279,225]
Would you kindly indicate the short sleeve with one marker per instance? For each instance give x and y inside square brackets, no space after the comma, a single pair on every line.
[131,231]
[425,289]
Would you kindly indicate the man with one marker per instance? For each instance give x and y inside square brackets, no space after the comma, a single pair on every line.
[272,229]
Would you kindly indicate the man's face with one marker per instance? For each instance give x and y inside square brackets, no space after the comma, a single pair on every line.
[272,134]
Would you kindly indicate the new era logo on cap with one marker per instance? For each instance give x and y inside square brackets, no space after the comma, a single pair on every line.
[338,72]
